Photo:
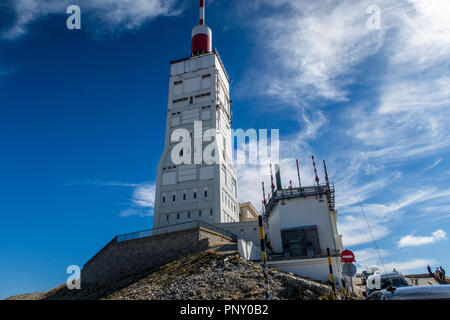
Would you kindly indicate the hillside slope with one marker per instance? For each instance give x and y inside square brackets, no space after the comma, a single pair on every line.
[209,275]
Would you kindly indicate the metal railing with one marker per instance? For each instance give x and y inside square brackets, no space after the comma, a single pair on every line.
[174,228]
[286,194]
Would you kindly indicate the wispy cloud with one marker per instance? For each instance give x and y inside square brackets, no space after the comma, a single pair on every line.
[434,165]
[136,212]
[314,47]
[414,241]
[142,201]
[144,195]
[354,227]
[410,265]
[101,183]
[369,257]
[103,16]
[142,198]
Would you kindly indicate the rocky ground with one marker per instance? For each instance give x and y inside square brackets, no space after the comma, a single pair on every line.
[209,275]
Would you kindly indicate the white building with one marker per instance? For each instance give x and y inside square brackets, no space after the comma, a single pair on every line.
[199,103]
[301,223]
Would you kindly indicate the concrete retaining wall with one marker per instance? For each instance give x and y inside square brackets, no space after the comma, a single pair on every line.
[124,259]
[247,230]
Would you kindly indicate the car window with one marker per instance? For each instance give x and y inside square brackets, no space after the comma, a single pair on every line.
[398,282]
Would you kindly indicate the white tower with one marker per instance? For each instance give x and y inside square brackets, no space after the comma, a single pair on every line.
[198,97]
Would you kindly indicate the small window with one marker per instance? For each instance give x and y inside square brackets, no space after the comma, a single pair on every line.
[191,100]
[164,199]
[184,196]
[178,216]
[167,218]
[206,193]
[181,152]
[211,212]
[189,215]
[199,213]
[174,197]
[195,194]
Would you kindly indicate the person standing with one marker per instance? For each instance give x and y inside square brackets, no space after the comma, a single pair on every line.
[442,274]
[429,271]
[438,274]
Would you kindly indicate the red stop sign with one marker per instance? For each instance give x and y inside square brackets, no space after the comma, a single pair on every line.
[347,256]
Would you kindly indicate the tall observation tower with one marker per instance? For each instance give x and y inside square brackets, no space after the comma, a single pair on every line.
[203,185]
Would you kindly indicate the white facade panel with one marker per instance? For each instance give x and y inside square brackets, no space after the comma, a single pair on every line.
[181,103]
[178,89]
[169,178]
[207,172]
[204,99]
[206,115]
[192,85]
[175,121]
[207,61]
[190,116]
[177,69]
[194,64]
[187,173]
[206,83]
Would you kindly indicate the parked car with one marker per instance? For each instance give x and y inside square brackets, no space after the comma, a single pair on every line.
[378,282]
[365,274]
[426,292]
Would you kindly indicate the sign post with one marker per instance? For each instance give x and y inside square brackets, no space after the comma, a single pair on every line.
[347,256]
[349,269]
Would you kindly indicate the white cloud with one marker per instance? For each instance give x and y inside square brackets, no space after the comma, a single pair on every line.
[435,164]
[313,49]
[405,266]
[369,257]
[142,200]
[105,16]
[144,196]
[101,183]
[355,231]
[413,241]
[353,225]
[135,212]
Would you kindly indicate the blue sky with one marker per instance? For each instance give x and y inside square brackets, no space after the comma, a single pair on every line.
[83,117]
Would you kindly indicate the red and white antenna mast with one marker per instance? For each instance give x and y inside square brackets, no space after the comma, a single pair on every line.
[202,12]
[201,39]
[298,174]
[326,173]
[264,194]
[315,171]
